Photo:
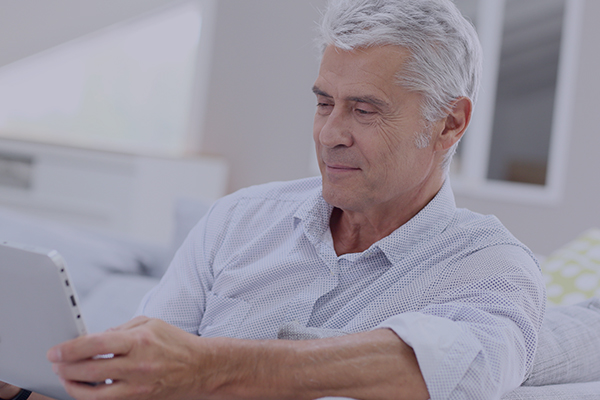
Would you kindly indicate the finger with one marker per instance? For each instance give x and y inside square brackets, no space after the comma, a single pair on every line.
[91,371]
[133,323]
[113,391]
[86,347]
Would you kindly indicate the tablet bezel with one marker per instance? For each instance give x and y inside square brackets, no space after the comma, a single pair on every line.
[39,308]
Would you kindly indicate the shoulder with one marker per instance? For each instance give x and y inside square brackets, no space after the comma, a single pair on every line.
[487,246]
[263,202]
[481,230]
[296,190]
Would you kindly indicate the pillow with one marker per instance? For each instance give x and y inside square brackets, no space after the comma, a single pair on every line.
[90,256]
[574,391]
[572,273]
[188,212]
[114,301]
[568,345]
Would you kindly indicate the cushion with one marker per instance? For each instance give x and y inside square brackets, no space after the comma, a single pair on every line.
[569,391]
[188,212]
[90,256]
[572,273]
[114,301]
[568,346]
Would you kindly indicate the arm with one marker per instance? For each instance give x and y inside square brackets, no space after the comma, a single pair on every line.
[9,391]
[156,360]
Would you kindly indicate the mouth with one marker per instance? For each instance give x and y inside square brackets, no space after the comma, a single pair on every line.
[339,168]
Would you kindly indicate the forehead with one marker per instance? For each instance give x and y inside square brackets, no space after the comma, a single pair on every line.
[373,68]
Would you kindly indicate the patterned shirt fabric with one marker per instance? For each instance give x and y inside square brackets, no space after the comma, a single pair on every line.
[454,285]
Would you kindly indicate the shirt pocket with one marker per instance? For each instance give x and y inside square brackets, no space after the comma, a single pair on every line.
[223,316]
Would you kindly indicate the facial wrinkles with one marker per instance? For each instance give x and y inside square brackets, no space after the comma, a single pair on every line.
[423,136]
[384,126]
[380,130]
[389,132]
[423,133]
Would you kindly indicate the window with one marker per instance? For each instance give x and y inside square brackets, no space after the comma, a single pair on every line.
[515,146]
[129,88]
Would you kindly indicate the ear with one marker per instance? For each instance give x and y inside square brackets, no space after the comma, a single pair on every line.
[455,123]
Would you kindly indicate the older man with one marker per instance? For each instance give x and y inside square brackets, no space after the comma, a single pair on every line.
[406,296]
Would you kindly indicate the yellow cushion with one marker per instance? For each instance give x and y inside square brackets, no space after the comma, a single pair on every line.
[572,273]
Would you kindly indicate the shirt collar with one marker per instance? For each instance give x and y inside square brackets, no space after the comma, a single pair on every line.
[315,214]
[431,221]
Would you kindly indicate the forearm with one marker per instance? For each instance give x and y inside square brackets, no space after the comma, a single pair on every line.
[37,396]
[370,365]
[156,360]
[8,392]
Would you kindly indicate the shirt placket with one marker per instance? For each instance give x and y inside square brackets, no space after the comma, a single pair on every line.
[301,307]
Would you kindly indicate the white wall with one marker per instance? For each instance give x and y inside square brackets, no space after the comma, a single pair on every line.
[260,114]
[260,105]
[546,227]
[31,26]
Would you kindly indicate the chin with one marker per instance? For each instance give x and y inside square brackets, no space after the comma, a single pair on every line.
[342,198]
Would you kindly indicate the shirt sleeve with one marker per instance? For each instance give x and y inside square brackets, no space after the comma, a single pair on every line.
[180,297]
[478,339]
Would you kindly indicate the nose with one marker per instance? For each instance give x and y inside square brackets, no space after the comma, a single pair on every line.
[334,130]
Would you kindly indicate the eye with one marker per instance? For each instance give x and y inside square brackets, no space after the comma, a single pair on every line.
[364,109]
[364,112]
[324,108]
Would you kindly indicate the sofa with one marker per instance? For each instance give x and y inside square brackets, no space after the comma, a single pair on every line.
[111,274]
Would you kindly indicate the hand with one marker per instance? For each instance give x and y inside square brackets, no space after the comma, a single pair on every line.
[152,359]
[8,391]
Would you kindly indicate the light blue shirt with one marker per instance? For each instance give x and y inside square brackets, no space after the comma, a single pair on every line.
[454,285]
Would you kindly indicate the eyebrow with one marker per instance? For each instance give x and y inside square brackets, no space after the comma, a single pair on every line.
[359,99]
[319,92]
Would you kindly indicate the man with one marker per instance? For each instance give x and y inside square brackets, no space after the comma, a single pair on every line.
[407,296]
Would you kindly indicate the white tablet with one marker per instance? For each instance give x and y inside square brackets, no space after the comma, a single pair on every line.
[38,309]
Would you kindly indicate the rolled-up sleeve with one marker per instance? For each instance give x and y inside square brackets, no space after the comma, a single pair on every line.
[478,340]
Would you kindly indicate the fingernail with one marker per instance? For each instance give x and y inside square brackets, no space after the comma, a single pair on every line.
[54,355]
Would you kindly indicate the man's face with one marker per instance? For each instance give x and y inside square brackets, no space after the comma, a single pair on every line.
[365,132]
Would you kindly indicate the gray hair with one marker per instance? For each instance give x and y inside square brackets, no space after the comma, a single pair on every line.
[445,54]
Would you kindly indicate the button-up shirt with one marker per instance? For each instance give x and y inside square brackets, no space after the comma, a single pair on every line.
[456,286]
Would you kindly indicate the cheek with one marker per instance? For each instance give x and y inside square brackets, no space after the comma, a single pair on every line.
[394,153]
[317,126]
[391,143]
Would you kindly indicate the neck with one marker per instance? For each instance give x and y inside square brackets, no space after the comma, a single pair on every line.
[356,231]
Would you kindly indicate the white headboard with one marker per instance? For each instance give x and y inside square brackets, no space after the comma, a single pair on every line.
[122,193]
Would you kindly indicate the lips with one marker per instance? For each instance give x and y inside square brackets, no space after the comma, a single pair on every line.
[337,171]
[337,167]
[336,161]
